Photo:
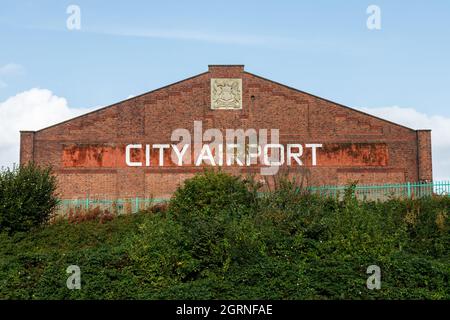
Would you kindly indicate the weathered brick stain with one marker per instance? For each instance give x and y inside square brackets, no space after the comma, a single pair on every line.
[345,154]
[354,154]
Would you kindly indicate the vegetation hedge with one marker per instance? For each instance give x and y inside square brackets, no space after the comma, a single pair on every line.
[217,240]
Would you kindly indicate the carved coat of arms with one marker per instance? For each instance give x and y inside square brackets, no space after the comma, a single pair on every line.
[226,93]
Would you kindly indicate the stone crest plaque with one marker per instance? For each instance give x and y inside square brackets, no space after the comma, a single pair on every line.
[226,93]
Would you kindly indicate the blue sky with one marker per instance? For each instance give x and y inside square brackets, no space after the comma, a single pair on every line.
[323,47]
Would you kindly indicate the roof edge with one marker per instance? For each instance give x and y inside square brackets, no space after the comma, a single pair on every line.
[122,101]
[330,101]
[226,65]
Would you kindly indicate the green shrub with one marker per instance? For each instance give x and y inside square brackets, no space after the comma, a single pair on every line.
[213,244]
[209,193]
[27,197]
[211,215]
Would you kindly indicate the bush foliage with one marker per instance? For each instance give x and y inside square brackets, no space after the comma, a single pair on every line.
[216,240]
[27,197]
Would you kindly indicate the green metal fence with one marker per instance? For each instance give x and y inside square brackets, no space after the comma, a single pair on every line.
[363,192]
[118,206]
[386,191]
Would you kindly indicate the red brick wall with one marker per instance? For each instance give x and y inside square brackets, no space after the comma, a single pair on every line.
[424,155]
[396,154]
[26,146]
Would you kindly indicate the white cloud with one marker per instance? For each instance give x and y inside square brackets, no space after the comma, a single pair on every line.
[12,69]
[193,35]
[440,134]
[30,110]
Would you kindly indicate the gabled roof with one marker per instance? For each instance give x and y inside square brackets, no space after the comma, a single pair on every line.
[254,75]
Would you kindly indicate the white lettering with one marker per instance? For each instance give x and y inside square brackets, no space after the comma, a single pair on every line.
[128,155]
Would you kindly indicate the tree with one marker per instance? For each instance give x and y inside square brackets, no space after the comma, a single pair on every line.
[27,197]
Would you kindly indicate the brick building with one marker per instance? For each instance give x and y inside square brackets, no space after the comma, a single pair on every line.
[88,152]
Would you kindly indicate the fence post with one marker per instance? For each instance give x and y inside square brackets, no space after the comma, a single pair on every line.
[87,202]
[409,189]
[137,205]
